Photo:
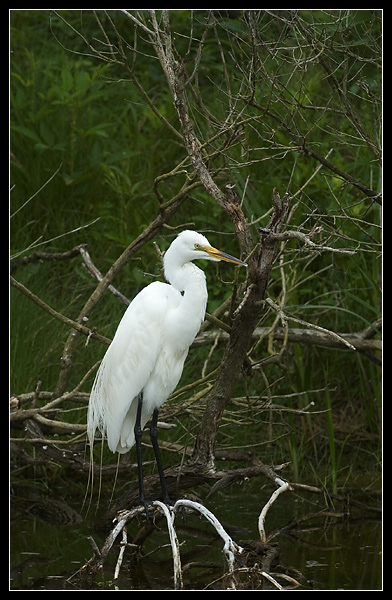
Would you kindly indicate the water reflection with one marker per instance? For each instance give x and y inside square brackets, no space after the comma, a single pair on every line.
[326,553]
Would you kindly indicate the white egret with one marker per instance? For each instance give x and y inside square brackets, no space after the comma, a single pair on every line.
[144,362]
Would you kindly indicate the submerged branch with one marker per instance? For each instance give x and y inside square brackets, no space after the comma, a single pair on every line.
[283,486]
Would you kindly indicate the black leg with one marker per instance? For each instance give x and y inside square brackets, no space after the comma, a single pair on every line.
[138,439]
[154,441]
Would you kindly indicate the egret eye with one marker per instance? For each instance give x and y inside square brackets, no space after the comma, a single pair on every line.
[197,247]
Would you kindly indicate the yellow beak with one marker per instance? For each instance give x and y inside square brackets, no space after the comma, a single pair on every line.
[216,254]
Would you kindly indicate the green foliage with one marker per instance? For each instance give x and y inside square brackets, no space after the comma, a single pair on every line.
[86,119]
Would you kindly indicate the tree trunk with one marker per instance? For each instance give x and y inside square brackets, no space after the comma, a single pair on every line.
[245,321]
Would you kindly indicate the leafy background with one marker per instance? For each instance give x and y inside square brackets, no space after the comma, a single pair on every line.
[79,126]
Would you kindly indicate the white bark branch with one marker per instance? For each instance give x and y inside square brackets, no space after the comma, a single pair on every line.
[230,548]
[178,585]
[283,487]
[303,336]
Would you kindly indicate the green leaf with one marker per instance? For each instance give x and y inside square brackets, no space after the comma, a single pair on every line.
[66,80]
[25,131]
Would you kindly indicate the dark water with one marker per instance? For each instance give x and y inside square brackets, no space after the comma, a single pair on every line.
[333,553]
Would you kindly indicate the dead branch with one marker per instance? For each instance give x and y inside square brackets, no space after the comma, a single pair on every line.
[230,548]
[302,336]
[306,239]
[38,256]
[96,273]
[170,514]
[308,151]
[245,310]
[166,213]
[240,557]
[90,333]
[283,486]
[176,77]
[244,323]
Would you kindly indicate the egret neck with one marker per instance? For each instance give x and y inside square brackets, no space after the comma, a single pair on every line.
[190,281]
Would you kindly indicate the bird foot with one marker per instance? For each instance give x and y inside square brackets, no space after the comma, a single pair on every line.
[169,502]
[149,504]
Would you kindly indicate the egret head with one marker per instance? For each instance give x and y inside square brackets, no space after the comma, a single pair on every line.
[190,245]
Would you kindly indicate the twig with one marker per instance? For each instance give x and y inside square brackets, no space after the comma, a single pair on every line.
[359,340]
[305,239]
[38,191]
[272,580]
[40,256]
[66,320]
[92,269]
[317,169]
[123,544]
[122,519]
[291,580]
[138,22]
[178,585]
[94,546]
[230,548]
[57,237]
[301,322]
[283,487]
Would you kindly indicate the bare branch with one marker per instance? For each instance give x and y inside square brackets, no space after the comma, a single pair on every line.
[311,325]
[54,313]
[167,210]
[305,239]
[138,22]
[42,256]
[302,336]
[92,269]
[283,486]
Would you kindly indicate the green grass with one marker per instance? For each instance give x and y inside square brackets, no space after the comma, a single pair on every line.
[85,119]
[331,441]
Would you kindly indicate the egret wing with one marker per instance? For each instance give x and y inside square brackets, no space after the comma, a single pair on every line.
[128,364]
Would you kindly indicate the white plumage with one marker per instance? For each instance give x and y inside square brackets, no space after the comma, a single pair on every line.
[151,343]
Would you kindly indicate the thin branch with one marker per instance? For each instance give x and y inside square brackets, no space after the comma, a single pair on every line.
[230,548]
[37,192]
[90,333]
[123,544]
[283,487]
[306,323]
[138,22]
[92,269]
[358,340]
[175,546]
[57,237]
[42,256]
[305,239]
